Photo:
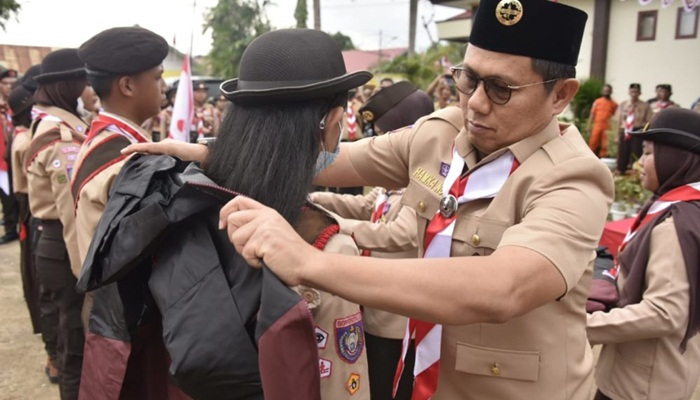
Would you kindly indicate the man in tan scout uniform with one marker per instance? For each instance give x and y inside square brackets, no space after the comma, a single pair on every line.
[632,115]
[57,135]
[521,245]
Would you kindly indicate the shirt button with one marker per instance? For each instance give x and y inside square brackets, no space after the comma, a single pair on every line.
[421,206]
[476,240]
[495,370]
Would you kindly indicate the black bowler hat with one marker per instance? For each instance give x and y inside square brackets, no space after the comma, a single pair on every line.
[540,29]
[8,73]
[20,100]
[677,127]
[396,106]
[635,86]
[290,65]
[123,51]
[61,65]
[27,81]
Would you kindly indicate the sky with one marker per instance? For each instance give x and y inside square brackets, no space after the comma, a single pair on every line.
[69,23]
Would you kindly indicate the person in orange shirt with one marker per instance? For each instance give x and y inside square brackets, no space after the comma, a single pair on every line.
[602,110]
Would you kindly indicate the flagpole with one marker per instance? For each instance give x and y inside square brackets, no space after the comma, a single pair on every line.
[194,17]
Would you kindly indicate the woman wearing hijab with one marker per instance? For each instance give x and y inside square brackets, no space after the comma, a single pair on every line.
[650,345]
[284,128]
[57,133]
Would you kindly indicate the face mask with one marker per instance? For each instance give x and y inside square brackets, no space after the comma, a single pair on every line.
[326,158]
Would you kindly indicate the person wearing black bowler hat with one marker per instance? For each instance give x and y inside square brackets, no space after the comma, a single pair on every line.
[58,132]
[651,349]
[510,207]
[283,128]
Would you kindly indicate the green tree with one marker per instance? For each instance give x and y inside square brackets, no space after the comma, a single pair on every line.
[7,8]
[421,68]
[344,42]
[301,14]
[234,24]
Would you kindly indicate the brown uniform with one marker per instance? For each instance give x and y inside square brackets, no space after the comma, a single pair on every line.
[49,167]
[93,196]
[339,331]
[49,164]
[640,358]
[206,120]
[555,203]
[630,148]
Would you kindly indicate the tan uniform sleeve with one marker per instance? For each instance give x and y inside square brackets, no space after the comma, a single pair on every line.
[20,146]
[58,162]
[564,216]
[400,234]
[664,306]
[383,160]
[348,206]
[91,204]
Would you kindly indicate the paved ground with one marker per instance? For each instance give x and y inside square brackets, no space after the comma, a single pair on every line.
[22,353]
[22,356]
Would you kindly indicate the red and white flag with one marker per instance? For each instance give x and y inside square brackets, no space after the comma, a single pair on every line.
[183,109]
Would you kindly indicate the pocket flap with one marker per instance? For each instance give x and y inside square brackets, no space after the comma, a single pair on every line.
[499,363]
[51,248]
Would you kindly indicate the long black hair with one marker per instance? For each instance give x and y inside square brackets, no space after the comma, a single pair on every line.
[268,151]
[61,94]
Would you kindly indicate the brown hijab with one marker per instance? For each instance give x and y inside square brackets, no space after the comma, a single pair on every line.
[674,167]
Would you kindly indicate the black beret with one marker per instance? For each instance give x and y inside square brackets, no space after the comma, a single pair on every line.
[123,51]
[199,85]
[396,106]
[674,126]
[27,81]
[8,73]
[664,86]
[539,29]
[20,100]
[61,65]
[635,86]
[377,105]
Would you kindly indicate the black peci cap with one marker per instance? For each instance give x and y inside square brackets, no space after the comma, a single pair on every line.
[61,65]
[675,126]
[664,86]
[539,29]
[123,51]
[635,86]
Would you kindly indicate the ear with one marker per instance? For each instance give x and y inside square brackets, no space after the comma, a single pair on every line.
[564,91]
[126,86]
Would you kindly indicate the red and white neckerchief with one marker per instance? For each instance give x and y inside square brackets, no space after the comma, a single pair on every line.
[629,122]
[380,209]
[351,122]
[484,183]
[689,192]
[660,105]
[116,125]
[38,114]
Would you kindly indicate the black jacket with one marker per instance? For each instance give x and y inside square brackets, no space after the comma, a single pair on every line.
[231,331]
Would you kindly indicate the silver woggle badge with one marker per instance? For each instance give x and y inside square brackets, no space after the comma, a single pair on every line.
[448,206]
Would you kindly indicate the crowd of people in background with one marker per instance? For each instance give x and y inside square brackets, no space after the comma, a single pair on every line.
[135,267]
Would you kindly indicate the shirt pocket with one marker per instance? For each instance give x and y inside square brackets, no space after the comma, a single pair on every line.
[498,363]
[477,236]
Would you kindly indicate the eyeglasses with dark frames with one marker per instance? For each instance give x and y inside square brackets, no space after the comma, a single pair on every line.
[497,90]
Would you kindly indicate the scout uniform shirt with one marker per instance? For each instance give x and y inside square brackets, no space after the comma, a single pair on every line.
[206,120]
[640,358]
[20,146]
[393,237]
[642,114]
[92,196]
[338,324]
[554,203]
[49,165]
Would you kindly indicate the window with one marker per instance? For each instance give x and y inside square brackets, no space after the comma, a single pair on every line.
[646,25]
[687,24]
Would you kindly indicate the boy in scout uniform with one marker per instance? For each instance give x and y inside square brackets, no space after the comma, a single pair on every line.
[124,68]
[9,204]
[511,229]
[58,133]
[632,115]
[206,119]
[663,98]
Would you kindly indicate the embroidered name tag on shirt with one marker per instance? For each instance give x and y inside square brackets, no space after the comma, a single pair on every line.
[428,180]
